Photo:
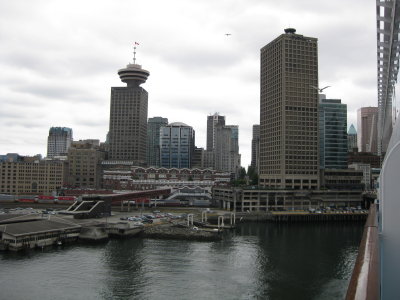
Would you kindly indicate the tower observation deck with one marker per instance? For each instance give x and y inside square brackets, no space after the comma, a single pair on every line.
[133,75]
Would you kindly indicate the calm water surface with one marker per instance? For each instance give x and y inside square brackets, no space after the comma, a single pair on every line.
[258,261]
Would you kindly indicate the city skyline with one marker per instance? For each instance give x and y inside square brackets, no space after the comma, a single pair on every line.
[58,73]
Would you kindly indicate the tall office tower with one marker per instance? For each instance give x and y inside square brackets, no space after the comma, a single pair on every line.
[227,157]
[128,117]
[212,122]
[289,112]
[84,159]
[177,145]
[332,133]
[352,139]
[59,141]
[255,148]
[153,140]
[367,126]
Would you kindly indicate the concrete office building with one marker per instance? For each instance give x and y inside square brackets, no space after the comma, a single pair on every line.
[255,148]
[59,141]
[352,139]
[367,126]
[128,116]
[29,176]
[177,145]
[153,140]
[289,155]
[212,122]
[332,133]
[227,157]
[85,159]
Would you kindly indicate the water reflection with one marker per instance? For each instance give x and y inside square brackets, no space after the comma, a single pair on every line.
[257,261]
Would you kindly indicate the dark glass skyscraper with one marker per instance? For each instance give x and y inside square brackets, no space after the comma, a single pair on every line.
[332,134]
[128,117]
[153,140]
[177,145]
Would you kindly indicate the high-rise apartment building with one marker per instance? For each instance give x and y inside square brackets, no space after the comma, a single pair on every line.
[332,133]
[177,145]
[85,159]
[289,112]
[351,139]
[255,148]
[227,157]
[128,117]
[59,141]
[153,140]
[367,126]
[212,122]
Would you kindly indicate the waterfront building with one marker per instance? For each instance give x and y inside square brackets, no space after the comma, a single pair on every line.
[84,159]
[367,126]
[153,140]
[245,199]
[212,122]
[177,145]
[342,179]
[30,176]
[226,151]
[128,116]
[364,157]
[289,152]
[58,141]
[366,170]
[117,177]
[352,139]
[255,148]
[332,133]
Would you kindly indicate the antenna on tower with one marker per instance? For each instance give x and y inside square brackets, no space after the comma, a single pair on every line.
[134,52]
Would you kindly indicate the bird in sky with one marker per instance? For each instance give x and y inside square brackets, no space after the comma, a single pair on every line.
[318,89]
[228,34]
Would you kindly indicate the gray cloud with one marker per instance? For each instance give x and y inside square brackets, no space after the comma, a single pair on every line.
[60,58]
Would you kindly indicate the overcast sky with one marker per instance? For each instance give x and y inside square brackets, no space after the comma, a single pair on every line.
[59,59]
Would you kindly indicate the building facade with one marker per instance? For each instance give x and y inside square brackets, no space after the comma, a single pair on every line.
[332,133]
[32,177]
[289,148]
[177,145]
[127,134]
[212,122]
[153,140]
[255,148]
[85,159]
[352,139]
[367,126]
[226,152]
[58,141]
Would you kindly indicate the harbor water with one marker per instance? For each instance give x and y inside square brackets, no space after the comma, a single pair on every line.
[256,261]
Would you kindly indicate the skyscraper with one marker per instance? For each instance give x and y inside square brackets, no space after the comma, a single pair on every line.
[332,133]
[212,122]
[289,112]
[59,141]
[153,140]
[367,126]
[128,116]
[351,139]
[177,145]
[227,157]
[255,148]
